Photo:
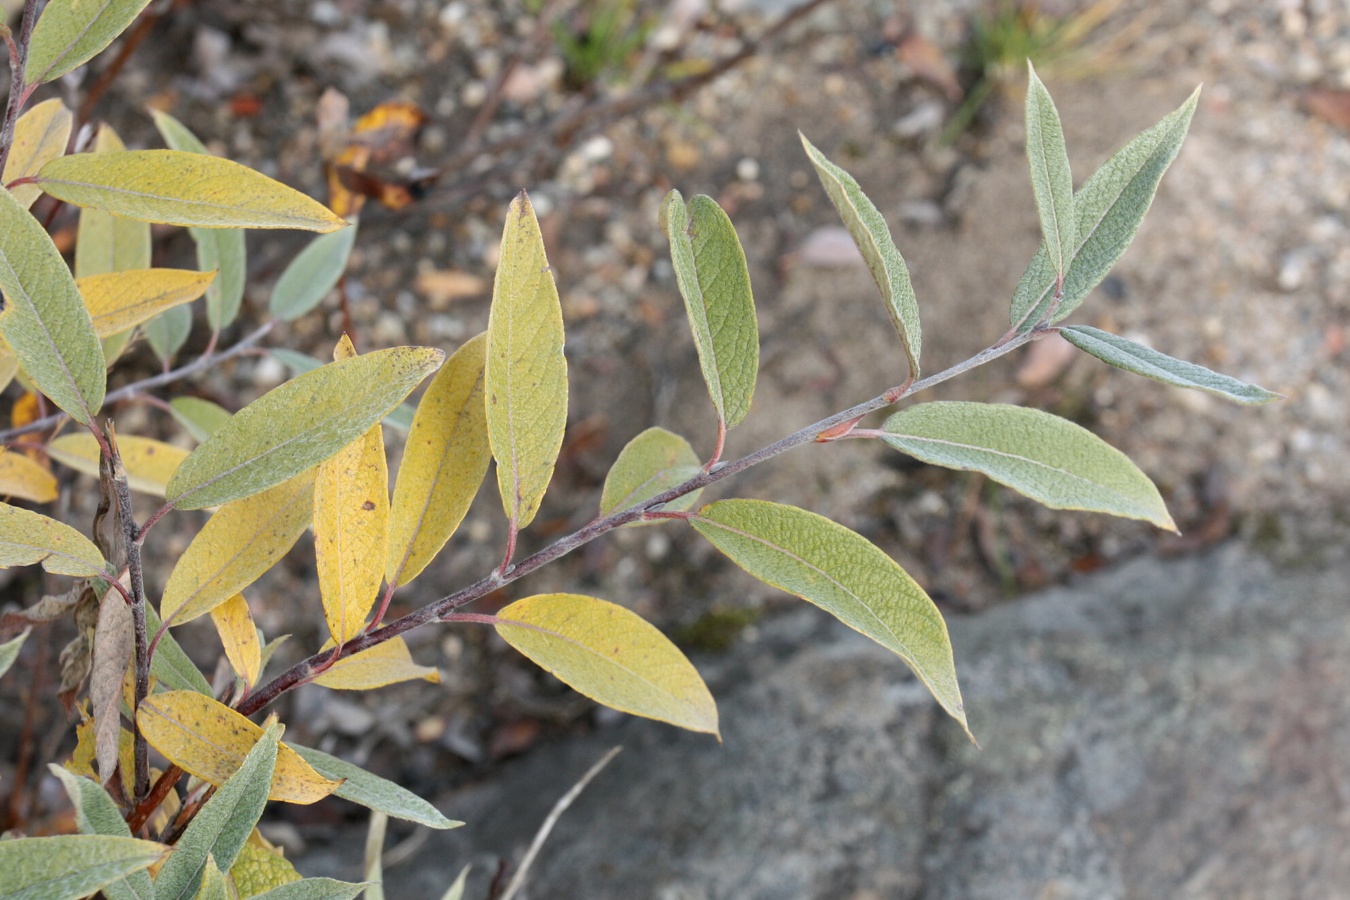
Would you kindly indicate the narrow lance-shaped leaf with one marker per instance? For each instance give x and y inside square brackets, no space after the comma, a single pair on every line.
[388,662]
[714,280]
[1051,180]
[1133,357]
[208,739]
[1108,209]
[27,537]
[170,665]
[214,885]
[351,526]
[844,574]
[120,300]
[314,889]
[22,478]
[444,462]
[149,463]
[114,646]
[649,465]
[180,188]
[201,418]
[868,228]
[611,655]
[298,425]
[218,249]
[98,814]
[44,320]
[1049,459]
[374,792]
[239,637]
[9,651]
[71,866]
[223,824]
[525,372]
[399,417]
[68,34]
[236,546]
[40,136]
[313,272]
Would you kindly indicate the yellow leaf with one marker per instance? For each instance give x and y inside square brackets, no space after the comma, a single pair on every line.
[239,635]
[351,526]
[385,663]
[9,364]
[21,477]
[444,462]
[208,739]
[149,463]
[238,544]
[526,373]
[81,760]
[40,136]
[120,300]
[181,188]
[105,242]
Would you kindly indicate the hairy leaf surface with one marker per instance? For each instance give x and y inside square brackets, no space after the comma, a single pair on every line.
[120,300]
[314,889]
[71,866]
[374,792]
[27,537]
[96,813]
[611,655]
[1050,178]
[649,465]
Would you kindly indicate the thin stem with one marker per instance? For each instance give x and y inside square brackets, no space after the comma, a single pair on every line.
[18,93]
[384,607]
[145,807]
[442,609]
[130,531]
[720,446]
[154,517]
[200,364]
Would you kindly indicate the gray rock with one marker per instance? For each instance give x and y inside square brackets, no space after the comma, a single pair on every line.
[1169,729]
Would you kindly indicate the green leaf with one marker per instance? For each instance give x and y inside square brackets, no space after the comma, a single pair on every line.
[300,363]
[314,889]
[171,665]
[214,885]
[27,537]
[44,319]
[525,374]
[444,463]
[1132,357]
[69,33]
[9,651]
[844,574]
[104,242]
[70,866]
[180,188]
[298,425]
[715,283]
[201,418]
[219,829]
[611,655]
[1049,459]
[456,889]
[167,332]
[649,465]
[98,814]
[257,869]
[314,272]
[868,228]
[1050,177]
[1108,209]
[221,249]
[374,792]
[237,545]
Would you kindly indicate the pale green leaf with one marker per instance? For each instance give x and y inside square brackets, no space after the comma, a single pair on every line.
[714,280]
[1050,178]
[374,792]
[298,425]
[1132,357]
[170,665]
[844,574]
[201,418]
[237,545]
[40,136]
[9,651]
[314,272]
[180,188]
[401,417]
[611,655]
[104,242]
[868,228]
[149,463]
[214,884]
[444,463]
[167,332]
[219,249]
[314,889]
[70,866]
[525,374]
[1049,459]
[98,814]
[44,319]
[69,33]
[456,889]
[27,537]
[649,465]
[223,824]
[1108,209]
